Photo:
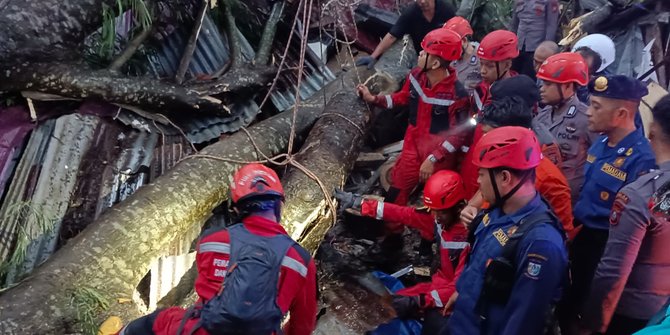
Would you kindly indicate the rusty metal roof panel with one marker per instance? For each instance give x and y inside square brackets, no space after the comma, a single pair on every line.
[55,175]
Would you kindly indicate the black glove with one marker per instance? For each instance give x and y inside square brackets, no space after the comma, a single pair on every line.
[406,307]
[367,60]
[348,199]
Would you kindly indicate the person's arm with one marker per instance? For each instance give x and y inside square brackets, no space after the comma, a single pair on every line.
[384,45]
[552,20]
[540,272]
[628,225]
[388,101]
[557,193]
[405,215]
[304,307]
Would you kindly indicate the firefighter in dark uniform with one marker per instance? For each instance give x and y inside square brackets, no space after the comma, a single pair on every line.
[632,281]
[618,157]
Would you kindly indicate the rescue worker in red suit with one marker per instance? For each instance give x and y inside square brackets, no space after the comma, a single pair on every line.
[257,195]
[496,52]
[443,197]
[438,104]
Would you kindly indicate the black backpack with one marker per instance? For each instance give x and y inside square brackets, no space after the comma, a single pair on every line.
[247,301]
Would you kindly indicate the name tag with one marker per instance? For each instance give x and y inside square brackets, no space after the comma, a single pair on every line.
[501,236]
[614,172]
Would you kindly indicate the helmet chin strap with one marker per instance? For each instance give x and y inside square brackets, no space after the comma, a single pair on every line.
[498,71]
[500,200]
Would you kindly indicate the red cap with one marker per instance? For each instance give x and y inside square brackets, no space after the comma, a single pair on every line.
[443,43]
[498,45]
[565,67]
[459,25]
[254,180]
[511,147]
[443,190]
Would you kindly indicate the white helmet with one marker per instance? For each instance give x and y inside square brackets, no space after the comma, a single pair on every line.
[602,45]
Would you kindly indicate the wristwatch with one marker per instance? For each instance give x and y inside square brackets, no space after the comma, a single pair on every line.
[432,158]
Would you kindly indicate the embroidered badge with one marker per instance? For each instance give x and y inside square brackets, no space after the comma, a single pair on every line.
[629,152]
[570,129]
[486,219]
[590,158]
[621,150]
[604,195]
[501,236]
[619,204]
[619,161]
[572,111]
[614,172]
[473,60]
[512,230]
[534,269]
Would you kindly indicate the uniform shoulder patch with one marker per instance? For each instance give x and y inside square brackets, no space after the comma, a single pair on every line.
[620,203]
[590,158]
[572,111]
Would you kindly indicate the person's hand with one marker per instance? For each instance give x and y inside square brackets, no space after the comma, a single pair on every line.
[468,214]
[364,93]
[348,199]
[368,61]
[426,170]
[406,307]
[450,304]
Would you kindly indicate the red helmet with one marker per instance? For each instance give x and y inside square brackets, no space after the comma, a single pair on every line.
[498,45]
[443,43]
[253,180]
[443,190]
[511,147]
[565,67]
[459,25]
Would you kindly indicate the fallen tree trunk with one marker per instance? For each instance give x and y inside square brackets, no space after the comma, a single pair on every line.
[77,81]
[109,258]
[332,147]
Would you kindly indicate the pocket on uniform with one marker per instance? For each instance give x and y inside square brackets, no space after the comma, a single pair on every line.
[439,119]
[609,183]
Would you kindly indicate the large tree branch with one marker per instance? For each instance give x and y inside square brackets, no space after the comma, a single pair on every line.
[233,38]
[77,81]
[267,39]
[192,43]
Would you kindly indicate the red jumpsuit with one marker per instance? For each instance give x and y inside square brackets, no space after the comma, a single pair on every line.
[453,248]
[435,116]
[297,281]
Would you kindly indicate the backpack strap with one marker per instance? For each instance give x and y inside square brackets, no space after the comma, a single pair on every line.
[525,225]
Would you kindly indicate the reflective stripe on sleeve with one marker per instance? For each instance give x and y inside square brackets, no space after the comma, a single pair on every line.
[436,297]
[448,146]
[294,265]
[389,101]
[223,248]
[380,210]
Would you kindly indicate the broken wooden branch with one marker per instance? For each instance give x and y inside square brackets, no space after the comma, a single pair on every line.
[78,81]
[130,50]
[234,42]
[192,43]
[267,39]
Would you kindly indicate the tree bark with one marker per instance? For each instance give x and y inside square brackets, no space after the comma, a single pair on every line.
[47,30]
[332,147]
[192,42]
[265,45]
[77,81]
[114,253]
[130,50]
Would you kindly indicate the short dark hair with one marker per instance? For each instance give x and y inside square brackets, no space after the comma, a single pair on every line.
[507,111]
[597,60]
[517,173]
[661,113]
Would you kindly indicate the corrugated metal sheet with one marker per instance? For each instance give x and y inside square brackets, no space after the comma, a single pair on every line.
[211,54]
[55,177]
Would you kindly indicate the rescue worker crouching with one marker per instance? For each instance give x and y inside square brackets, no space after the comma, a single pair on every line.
[443,196]
[257,195]
[438,105]
[518,263]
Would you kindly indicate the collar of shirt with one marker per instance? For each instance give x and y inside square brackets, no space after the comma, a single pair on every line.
[448,81]
[623,145]
[262,226]
[498,218]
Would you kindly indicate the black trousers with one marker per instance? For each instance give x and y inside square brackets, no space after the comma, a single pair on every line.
[587,248]
[623,325]
[433,322]
[524,64]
